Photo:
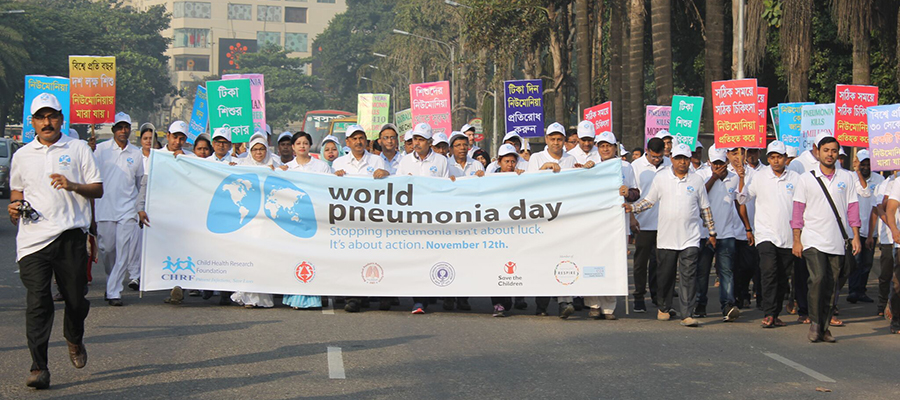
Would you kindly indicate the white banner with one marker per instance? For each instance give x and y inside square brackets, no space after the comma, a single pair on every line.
[220,227]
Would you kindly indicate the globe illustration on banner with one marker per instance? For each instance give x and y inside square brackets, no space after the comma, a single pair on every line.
[234,204]
[290,208]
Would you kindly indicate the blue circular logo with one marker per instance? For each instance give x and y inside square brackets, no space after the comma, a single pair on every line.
[442,274]
[690,189]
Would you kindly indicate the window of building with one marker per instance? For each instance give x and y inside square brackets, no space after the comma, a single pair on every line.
[240,11]
[192,63]
[325,1]
[191,37]
[268,13]
[192,9]
[296,42]
[298,0]
[295,14]
[264,38]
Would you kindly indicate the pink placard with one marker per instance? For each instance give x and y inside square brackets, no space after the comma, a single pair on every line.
[656,119]
[430,103]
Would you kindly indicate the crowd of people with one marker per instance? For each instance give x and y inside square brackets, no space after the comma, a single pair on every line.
[789,233]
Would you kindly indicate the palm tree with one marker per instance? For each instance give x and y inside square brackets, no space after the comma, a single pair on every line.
[661,24]
[11,66]
[583,45]
[616,72]
[854,21]
[715,53]
[796,43]
[636,70]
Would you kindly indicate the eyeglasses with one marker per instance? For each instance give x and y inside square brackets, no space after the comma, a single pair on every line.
[54,117]
[461,146]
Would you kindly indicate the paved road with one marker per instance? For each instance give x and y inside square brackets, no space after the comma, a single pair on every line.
[148,349]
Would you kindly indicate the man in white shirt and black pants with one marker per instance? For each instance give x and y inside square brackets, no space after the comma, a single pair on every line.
[820,230]
[680,196]
[53,180]
[643,226]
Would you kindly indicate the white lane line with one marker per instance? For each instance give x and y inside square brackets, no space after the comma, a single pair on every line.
[799,367]
[329,309]
[335,363]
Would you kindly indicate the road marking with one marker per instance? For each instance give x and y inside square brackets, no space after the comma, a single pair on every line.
[336,363]
[799,367]
[329,309]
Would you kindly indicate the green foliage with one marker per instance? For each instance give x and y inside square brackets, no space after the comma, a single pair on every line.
[772,13]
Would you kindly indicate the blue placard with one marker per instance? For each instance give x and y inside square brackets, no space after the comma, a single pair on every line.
[199,117]
[789,123]
[34,86]
[524,102]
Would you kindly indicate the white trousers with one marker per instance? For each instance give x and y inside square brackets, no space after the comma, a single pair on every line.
[606,303]
[120,252]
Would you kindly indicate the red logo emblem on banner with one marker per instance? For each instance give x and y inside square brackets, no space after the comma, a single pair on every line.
[509,268]
[305,272]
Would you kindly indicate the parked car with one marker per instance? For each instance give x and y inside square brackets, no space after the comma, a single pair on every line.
[7,148]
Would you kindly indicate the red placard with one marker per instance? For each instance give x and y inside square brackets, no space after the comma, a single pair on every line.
[850,122]
[762,107]
[734,113]
[600,116]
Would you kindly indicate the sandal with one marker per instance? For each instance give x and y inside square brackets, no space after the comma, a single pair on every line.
[836,322]
[779,322]
[803,319]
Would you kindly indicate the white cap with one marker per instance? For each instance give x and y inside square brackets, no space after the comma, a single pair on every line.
[465,128]
[555,127]
[512,134]
[819,138]
[179,127]
[862,155]
[681,149]
[622,151]
[439,138]
[424,130]
[457,134]
[841,151]
[285,134]
[268,130]
[332,139]
[662,134]
[122,117]
[605,136]
[792,151]
[73,134]
[386,127]
[45,100]
[586,130]
[714,154]
[408,135]
[146,125]
[354,128]
[506,149]
[699,144]
[223,133]
[776,146]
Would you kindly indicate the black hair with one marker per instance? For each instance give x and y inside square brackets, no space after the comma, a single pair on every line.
[638,149]
[376,145]
[202,139]
[458,138]
[299,135]
[827,140]
[571,132]
[656,145]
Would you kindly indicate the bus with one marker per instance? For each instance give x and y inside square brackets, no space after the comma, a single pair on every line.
[318,122]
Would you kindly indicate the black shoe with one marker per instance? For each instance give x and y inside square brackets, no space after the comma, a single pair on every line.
[653,300]
[135,284]
[520,304]
[77,354]
[194,293]
[672,313]
[700,311]
[116,302]
[463,304]
[352,306]
[565,310]
[541,312]
[852,299]
[731,314]
[449,304]
[38,379]
[578,303]
[207,294]
[639,306]
[866,299]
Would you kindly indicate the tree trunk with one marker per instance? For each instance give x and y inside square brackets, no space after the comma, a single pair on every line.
[583,44]
[715,53]
[596,50]
[462,115]
[636,73]
[558,54]
[661,23]
[861,67]
[616,41]
[480,81]
[735,32]
[796,41]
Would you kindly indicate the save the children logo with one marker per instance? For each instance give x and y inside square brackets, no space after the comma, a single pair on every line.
[178,270]
[238,200]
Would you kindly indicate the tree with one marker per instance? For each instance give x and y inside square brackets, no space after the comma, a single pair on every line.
[636,69]
[617,36]
[854,21]
[661,22]
[796,43]
[290,91]
[714,68]
[11,69]
[583,45]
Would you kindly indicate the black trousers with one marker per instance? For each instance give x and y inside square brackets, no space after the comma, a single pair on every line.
[672,263]
[644,264]
[746,269]
[824,272]
[775,265]
[66,258]
[800,282]
[895,296]
[887,274]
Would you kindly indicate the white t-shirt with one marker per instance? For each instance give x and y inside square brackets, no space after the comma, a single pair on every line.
[470,169]
[121,171]
[721,202]
[820,228]
[434,165]
[867,199]
[644,172]
[881,191]
[581,157]
[365,166]
[774,196]
[678,201]
[804,163]
[567,161]
[60,210]
[740,232]
[314,165]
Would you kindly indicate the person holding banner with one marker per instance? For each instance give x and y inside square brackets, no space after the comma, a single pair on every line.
[303,161]
[118,219]
[424,161]
[176,138]
[285,147]
[52,180]
[515,140]
[507,158]
[571,140]
[680,197]
[440,144]
[773,190]
[387,138]
[202,146]
[585,153]
[221,143]
[825,209]
[359,162]
[461,164]
[644,225]
[330,150]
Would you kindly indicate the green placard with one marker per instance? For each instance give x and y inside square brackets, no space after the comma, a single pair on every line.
[684,123]
[231,106]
